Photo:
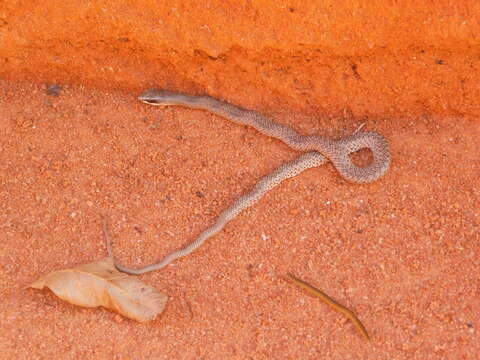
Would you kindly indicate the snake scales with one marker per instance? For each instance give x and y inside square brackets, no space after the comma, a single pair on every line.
[320,149]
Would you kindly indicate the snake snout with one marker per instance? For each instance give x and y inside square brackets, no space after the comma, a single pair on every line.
[150,101]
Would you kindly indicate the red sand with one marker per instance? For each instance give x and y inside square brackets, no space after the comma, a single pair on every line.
[402,252]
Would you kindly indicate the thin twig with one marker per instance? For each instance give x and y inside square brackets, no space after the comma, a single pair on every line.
[359,128]
[106,236]
[329,301]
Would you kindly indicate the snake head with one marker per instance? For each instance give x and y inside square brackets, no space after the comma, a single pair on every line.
[157,97]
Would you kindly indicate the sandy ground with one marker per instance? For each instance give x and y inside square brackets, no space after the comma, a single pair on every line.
[402,252]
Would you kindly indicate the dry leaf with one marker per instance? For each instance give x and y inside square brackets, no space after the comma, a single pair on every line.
[101,284]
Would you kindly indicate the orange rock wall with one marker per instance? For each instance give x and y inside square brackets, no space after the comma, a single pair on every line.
[357,59]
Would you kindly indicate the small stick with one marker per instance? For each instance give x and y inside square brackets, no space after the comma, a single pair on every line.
[329,301]
[359,128]
[106,237]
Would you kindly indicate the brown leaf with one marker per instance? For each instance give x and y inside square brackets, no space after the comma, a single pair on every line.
[101,284]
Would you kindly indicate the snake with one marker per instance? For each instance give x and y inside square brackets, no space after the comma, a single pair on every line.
[318,150]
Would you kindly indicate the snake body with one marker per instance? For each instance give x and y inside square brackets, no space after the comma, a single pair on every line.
[320,149]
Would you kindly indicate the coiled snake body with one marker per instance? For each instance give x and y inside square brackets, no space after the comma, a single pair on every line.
[320,149]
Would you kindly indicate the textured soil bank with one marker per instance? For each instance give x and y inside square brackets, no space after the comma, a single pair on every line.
[403,252]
